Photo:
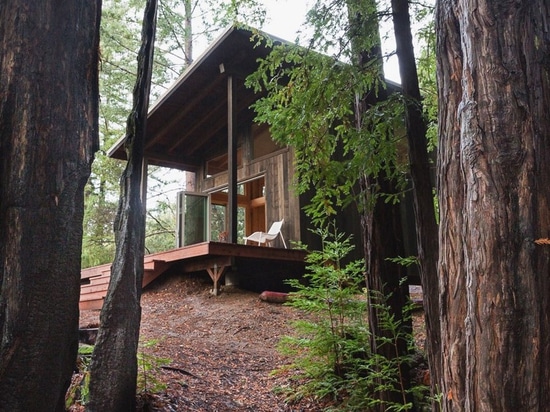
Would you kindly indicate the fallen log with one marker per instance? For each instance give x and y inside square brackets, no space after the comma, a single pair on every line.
[87,335]
[273,297]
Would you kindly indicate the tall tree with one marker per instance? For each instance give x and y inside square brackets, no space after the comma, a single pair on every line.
[382,227]
[493,174]
[48,136]
[114,361]
[342,123]
[420,171]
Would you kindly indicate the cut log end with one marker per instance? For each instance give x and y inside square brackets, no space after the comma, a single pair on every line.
[273,297]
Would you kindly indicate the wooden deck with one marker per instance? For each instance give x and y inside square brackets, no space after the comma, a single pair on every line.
[253,265]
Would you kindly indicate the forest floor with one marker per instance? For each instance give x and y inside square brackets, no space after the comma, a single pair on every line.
[221,351]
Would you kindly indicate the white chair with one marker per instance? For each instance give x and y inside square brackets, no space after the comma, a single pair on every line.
[267,238]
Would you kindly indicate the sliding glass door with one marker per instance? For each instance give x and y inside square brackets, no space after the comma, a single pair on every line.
[192,218]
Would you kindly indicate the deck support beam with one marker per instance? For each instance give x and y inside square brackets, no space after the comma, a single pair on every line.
[215,266]
[216,273]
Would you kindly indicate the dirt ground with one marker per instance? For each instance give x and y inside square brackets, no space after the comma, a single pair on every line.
[221,349]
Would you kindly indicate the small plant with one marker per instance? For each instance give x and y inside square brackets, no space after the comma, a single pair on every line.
[324,348]
[147,382]
[79,390]
[331,351]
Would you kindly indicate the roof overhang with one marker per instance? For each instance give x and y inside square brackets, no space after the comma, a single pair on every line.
[189,122]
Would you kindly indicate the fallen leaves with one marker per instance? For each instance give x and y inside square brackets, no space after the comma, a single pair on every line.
[226,345]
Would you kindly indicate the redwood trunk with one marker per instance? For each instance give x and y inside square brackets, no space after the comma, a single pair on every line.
[48,135]
[424,210]
[494,169]
[382,232]
[381,223]
[114,361]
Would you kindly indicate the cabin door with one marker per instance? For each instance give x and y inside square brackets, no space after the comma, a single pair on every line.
[192,218]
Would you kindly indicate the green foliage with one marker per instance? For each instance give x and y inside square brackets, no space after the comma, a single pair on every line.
[147,382]
[427,68]
[226,13]
[322,351]
[331,349]
[79,390]
[310,106]
[160,234]
[381,374]
[160,231]
[405,261]
[98,243]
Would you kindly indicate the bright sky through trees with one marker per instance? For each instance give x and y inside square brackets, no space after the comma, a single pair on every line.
[286,18]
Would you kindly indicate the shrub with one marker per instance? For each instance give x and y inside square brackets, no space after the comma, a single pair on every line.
[331,350]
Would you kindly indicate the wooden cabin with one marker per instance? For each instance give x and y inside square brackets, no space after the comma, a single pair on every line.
[204,125]
[243,180]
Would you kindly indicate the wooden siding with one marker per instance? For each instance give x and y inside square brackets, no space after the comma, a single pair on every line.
[280,198]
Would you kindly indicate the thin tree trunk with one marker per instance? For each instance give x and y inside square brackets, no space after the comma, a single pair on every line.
[188,41]
[494,169]
[48,136]
[114,361]
[424,211]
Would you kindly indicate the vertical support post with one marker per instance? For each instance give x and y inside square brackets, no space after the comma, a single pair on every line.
[232,162]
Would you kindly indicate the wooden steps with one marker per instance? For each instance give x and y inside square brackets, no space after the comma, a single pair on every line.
[95,281]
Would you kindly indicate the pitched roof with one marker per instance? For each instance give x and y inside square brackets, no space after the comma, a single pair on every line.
[189,122]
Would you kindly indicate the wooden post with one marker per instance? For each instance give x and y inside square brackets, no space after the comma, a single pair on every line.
[216,273]
[232,162]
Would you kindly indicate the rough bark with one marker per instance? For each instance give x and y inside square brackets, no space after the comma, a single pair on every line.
[114,361]
[382,232]
[493,174]
[48,135]
[424,210]
[381,223]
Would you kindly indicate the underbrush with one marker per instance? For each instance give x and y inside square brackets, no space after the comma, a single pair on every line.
[332,356]
[148,384]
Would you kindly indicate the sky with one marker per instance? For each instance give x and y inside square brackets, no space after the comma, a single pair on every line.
[286,18]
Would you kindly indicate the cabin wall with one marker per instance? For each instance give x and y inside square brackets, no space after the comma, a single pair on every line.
[348,222]
[281,201]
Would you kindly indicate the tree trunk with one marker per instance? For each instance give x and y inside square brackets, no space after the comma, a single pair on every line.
[48,136]
[493,175]
[382,232]
[188,41]
[381,223]
[114,361]
[424,211]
